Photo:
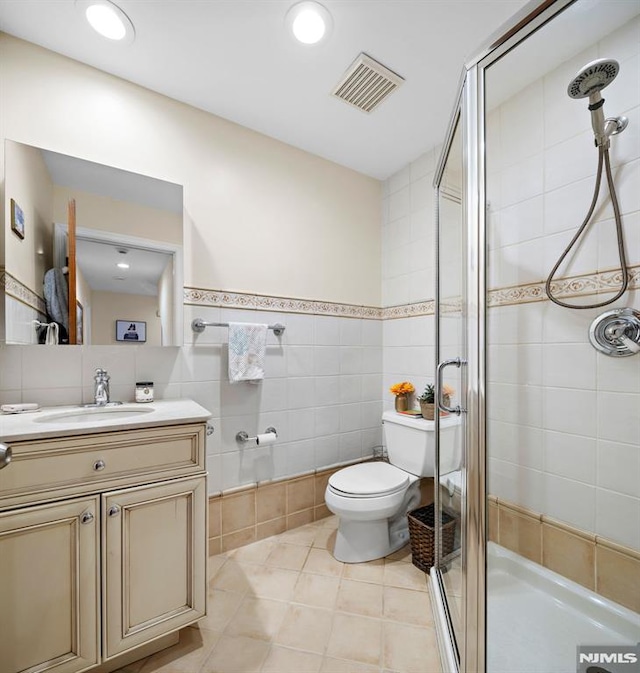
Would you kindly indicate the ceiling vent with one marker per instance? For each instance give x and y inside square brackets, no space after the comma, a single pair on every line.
[367,83]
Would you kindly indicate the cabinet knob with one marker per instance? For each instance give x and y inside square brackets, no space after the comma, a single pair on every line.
[114,510]
[99,465]
[5,455]
[87,517]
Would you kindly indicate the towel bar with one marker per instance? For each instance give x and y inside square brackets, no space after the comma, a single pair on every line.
[199,324]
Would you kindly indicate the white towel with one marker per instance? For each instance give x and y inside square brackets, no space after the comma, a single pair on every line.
[247,347]
[52,338]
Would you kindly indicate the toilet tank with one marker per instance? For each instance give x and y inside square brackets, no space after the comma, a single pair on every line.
[411,443]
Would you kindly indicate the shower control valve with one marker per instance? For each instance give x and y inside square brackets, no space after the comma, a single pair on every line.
[616,333]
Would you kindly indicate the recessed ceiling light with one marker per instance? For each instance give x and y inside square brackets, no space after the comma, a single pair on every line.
[309,22]
[108,20]
[122,265]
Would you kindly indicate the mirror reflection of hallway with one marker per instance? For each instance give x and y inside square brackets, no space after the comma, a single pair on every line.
[118,214]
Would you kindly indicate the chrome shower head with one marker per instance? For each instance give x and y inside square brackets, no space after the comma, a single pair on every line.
[589,82]
[594,77]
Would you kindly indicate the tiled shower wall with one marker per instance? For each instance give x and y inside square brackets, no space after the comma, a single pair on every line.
[564,419]
[321,391]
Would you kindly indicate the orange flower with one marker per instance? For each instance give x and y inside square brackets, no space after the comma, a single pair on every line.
[447,391]
[404,388]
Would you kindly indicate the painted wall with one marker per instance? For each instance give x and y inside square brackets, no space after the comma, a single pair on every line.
[84,296]
[29,184]
[166,303]
[261,217]
[564,419]
[94,211]
[107,307]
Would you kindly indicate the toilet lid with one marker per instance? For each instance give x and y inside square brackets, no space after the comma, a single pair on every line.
[369,479]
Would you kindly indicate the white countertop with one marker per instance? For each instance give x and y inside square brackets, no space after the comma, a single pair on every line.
[51,422]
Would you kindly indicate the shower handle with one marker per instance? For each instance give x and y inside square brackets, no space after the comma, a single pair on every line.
[617,332]
[457,362]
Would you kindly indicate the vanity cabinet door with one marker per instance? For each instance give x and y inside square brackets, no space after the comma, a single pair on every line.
[49,569]
[154,561]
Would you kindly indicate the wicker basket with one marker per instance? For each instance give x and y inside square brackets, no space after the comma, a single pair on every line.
[423,539]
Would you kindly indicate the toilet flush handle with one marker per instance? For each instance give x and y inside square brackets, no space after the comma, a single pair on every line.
[458,362]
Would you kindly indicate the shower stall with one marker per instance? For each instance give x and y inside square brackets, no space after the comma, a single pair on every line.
[538,328]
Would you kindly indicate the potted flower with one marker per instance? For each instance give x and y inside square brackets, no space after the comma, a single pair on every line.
[427,400]
[402,391]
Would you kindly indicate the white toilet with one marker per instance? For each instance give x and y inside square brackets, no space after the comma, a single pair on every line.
[372,499]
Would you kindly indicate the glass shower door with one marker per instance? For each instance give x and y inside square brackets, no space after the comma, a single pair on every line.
[561,416]
[450,381]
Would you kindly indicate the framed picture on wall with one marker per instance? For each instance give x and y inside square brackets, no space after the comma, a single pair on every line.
[79,323]
[17,219]
[134,331]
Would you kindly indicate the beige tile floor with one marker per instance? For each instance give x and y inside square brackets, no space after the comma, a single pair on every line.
[285,605]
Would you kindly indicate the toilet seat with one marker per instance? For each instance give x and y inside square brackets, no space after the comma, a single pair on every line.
[369,480]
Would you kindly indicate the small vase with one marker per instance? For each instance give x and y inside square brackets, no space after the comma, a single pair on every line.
[427,409]
[402,403]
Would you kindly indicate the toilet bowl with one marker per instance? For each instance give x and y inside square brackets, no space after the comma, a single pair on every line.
[372,499]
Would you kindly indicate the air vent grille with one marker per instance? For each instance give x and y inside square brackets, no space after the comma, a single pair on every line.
[367,83]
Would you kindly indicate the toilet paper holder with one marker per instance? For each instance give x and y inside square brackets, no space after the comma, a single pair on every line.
[243,438]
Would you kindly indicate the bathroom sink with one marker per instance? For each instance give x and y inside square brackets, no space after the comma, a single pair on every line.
[94,414]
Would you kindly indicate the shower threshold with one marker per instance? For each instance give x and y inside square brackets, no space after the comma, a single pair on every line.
[537,618]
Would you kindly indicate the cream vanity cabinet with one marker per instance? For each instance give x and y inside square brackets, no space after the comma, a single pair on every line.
[102,546]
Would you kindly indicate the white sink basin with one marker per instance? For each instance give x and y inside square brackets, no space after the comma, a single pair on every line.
[94,414]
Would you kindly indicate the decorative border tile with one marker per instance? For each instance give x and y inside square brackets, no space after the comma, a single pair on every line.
[409,310]
[573,286]
[199,297]
[14,288]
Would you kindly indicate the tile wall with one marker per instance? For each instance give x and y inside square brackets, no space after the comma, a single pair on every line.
[257,512]
[322,390]
[408,273]
[564,420]
[251,513]
[19,319]
[596,563]
[564,429]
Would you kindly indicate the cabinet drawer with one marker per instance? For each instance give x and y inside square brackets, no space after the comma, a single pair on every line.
[43,469]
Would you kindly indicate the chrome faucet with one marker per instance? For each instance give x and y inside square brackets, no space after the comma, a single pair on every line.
[101,389]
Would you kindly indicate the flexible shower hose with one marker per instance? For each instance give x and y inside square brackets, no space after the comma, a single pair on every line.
[603,157]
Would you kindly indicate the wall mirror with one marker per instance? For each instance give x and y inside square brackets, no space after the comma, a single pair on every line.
[91,254]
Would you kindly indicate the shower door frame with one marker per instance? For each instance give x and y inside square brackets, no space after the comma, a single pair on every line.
[449,649]
[469,656]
